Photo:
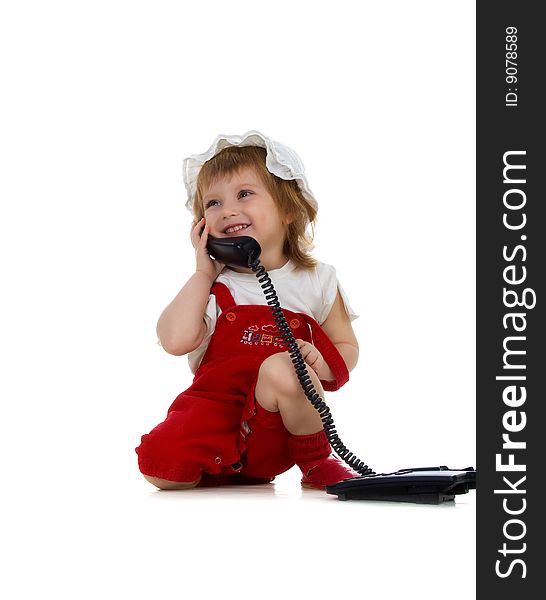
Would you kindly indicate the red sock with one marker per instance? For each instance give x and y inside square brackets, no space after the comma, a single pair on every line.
[307,451]
[313,455]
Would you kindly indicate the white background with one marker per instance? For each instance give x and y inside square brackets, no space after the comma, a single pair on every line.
[101,102]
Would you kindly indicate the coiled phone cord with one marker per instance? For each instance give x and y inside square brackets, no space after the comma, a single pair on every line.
[301,371]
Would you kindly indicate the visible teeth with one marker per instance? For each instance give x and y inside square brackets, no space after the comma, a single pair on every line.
[236,228]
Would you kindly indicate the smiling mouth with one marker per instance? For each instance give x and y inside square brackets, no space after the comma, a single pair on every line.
[236,228]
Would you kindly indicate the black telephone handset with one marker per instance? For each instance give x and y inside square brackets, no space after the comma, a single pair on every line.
[430,485]
[242,251]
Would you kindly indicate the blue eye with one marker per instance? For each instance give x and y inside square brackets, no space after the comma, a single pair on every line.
[244,193]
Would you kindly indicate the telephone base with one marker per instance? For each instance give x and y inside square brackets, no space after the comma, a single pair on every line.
[424,485]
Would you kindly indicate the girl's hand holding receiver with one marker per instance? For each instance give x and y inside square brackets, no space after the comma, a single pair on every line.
[204,262]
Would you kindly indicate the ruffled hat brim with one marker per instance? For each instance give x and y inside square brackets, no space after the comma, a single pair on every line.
[280,160]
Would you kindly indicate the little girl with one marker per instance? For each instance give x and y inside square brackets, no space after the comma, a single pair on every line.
[245,418]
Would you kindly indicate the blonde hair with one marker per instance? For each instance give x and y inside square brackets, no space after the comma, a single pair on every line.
[290,201]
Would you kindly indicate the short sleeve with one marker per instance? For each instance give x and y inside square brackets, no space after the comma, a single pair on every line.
[330,285]
[210,316]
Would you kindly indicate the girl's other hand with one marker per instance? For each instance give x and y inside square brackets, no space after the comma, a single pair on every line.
[315,360]
[204,262]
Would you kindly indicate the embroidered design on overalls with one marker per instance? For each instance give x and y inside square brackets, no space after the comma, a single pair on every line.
[268,336]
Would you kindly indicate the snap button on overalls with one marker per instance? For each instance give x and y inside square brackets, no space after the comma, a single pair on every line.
[207,424]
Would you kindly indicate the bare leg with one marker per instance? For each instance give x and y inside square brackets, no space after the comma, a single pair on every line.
[165,484]
[278,390]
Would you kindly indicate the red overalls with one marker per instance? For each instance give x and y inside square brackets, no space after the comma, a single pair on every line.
[216,426]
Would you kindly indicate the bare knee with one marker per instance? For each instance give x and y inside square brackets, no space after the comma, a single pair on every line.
[276,377]
[165,484]
[278,389]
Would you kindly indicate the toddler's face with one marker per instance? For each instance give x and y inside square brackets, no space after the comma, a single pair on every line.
[241,205]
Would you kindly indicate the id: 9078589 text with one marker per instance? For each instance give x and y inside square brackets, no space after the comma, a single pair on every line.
[511,66]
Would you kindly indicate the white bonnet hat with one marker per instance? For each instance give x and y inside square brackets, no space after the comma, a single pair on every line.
[280,160]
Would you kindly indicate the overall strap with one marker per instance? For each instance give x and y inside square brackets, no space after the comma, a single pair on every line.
[223,296]
[331,356]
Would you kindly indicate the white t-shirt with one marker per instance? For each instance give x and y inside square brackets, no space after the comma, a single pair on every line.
[306,291]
